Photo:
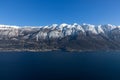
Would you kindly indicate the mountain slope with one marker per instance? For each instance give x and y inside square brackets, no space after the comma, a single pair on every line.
[68,37]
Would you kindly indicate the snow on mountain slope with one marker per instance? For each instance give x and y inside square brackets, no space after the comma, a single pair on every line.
[108,27]
[90,28]
[7,31]
[99,29]
[55,30]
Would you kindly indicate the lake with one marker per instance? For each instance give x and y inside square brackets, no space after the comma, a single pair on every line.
[60,65]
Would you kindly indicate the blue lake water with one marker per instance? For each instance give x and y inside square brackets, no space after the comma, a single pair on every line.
[59,65]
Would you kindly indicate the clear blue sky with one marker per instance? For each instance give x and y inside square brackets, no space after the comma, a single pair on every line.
[47,12]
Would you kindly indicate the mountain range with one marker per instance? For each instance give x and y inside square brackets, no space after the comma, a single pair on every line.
[65,37]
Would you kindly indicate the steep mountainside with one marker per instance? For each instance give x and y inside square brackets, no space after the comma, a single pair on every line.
[60,37]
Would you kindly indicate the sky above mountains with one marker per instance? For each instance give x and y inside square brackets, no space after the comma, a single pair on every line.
[47,12]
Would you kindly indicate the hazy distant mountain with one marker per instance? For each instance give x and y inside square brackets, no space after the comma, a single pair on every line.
[60,37]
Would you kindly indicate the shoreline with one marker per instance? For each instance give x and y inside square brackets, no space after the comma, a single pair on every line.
[50,50]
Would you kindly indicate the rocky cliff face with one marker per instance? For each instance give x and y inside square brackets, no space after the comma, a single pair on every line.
[63,37]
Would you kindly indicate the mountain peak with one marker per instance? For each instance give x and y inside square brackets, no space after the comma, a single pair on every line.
[68,36]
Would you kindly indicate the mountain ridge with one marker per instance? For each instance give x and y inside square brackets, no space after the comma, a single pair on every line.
[69,37]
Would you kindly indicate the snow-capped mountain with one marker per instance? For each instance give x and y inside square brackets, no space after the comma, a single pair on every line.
[55,30]
[107,36]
